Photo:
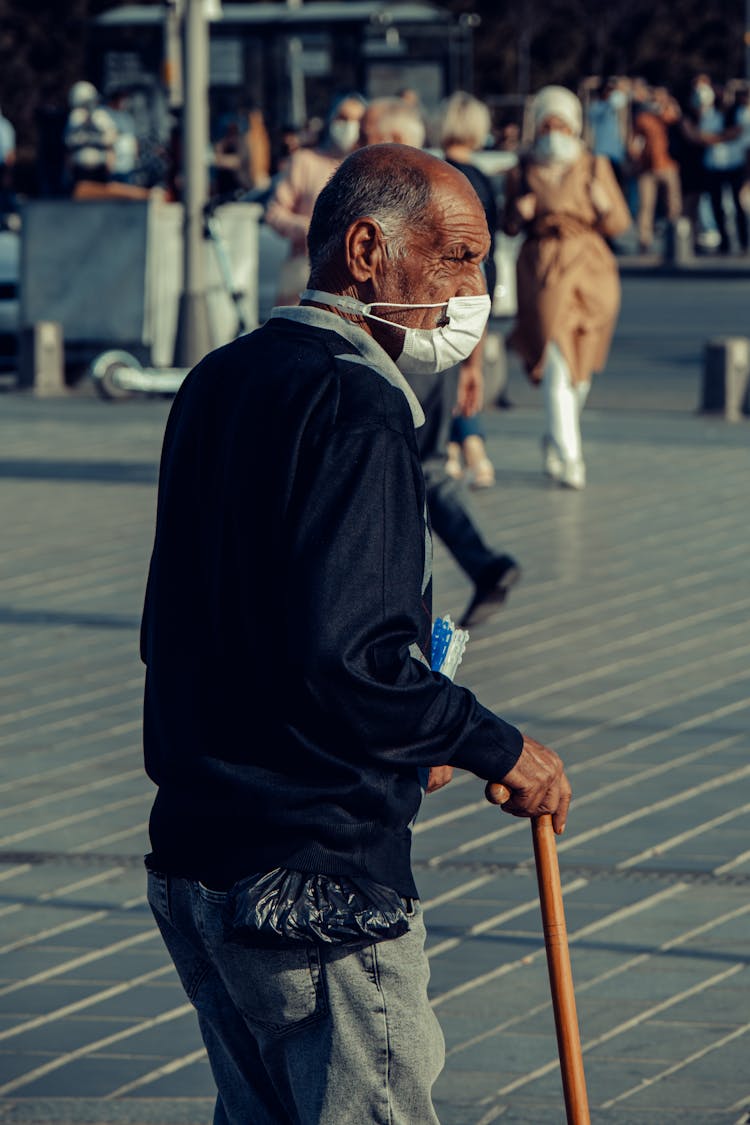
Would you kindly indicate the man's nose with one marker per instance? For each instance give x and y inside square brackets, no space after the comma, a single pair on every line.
[474,284]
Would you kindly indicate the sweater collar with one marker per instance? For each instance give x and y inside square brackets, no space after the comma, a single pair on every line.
[370,351]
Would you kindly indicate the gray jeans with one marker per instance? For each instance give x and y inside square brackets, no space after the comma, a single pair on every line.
[320,1035]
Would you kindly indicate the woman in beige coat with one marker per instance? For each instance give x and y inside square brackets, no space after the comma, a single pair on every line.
[567,203]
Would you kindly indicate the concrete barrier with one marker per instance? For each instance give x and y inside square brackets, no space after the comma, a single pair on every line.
[110,272]
[678,242]
[41,361]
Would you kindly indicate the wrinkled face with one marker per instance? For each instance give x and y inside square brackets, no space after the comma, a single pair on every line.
[442,260]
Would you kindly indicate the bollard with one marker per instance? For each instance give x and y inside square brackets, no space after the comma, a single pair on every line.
[726,377]
[678,242]
[41,364]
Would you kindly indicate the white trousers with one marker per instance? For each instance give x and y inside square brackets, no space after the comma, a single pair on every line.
[563,403]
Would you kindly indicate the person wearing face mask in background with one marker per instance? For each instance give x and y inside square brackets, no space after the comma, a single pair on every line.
[607,124]
[307,171]
[687,145]
[567,203]
[721,132]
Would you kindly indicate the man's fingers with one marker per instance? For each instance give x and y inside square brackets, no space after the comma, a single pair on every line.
[439,776]
[560,815]
[496,793]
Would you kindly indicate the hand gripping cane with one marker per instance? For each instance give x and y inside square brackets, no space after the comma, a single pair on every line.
[560,975]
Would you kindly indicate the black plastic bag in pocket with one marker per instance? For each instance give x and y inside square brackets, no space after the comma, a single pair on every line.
[284,907]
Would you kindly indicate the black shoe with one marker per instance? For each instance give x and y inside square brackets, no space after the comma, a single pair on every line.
[491,590]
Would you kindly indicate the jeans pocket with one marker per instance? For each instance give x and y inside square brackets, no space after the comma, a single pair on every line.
[276,989]
[158,893]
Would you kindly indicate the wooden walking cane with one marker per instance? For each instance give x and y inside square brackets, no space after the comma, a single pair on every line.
[560,974]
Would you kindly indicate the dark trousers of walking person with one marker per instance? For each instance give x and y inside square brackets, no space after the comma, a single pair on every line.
[493,574]
[447,501]
[717,180]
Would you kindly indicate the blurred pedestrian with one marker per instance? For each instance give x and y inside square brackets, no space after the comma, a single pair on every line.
[464,128]
[125,160]
[723,135]
[289,142]
[90,136]
[509,137]
[493,574]
[657,169]
[398,119]
[242,154]
[608,125]
[688,148]
[229,161]
[258,145]
[308,170]
[567,203]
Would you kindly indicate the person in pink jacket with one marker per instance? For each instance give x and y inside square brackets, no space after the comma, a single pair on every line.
[309,170]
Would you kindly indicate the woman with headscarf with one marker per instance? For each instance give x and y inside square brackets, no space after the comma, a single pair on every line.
[567,202]
[308,171]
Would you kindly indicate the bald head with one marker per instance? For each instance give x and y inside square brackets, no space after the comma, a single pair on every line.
[392,119]
[396,185]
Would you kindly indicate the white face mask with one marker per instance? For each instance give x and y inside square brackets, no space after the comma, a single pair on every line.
[703,96]
[556,147]
[618,99]
[344,134]
[426,350]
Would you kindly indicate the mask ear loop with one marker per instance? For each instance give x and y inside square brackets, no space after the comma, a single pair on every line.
[396,305]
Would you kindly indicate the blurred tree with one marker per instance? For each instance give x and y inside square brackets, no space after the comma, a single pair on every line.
[522,47]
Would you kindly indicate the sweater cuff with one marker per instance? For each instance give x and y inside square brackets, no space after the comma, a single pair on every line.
[494,748]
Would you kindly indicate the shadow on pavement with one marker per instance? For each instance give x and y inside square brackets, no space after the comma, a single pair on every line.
[107,472]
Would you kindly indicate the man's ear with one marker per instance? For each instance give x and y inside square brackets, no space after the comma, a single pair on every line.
[365,249]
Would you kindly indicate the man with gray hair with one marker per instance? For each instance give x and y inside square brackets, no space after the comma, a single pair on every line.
[292,719]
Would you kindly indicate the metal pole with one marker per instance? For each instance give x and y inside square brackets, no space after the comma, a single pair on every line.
[297,100]
[747,40]
[193,338]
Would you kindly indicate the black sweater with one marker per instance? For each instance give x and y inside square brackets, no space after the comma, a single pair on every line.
[285,715]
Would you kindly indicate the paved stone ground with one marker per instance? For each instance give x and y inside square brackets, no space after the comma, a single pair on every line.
[626,647]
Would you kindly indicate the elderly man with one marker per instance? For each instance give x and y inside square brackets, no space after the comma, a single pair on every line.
[291,716]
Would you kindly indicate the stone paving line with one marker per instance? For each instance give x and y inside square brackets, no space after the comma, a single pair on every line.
[625,646]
